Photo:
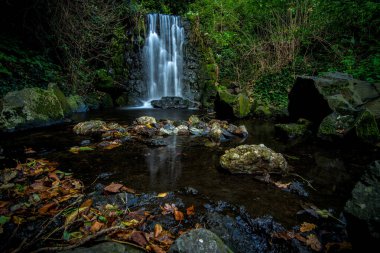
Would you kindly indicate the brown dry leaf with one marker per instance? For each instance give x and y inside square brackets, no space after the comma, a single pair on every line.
[3,203]
[113,187]
[313,242]
[157,249]
[306,227]
[127,189]
[178,215]
[139,238]
[300,238]
[286,235]
[190,210]
[46,208]
[157,230]
[112,145]
[96,227]
[282,185]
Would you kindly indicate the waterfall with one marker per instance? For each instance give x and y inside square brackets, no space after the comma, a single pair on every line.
[163,56]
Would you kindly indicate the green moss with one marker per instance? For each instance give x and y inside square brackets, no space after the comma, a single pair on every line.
[327,126]
[243,106]
[61,98]
[366,127]
[103,80]
[76,104]
[292,130]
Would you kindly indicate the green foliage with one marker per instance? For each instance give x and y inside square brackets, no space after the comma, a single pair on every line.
[263,44]
[21,68]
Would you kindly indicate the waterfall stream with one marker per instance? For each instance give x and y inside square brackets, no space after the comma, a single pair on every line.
[163,56]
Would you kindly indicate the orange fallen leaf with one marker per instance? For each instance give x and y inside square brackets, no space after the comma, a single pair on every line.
[113,188]
[190,210]
[46,208]
[139,238]
[157,230]
[313,242]
[54,176]
[86,204]
[306,227]
[96,227]
[178,215]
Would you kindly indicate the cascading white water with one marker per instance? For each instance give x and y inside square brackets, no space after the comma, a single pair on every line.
[163,56]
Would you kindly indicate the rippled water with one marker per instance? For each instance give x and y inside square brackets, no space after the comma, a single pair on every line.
[186,162]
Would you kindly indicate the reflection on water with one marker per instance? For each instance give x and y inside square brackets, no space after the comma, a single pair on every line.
[164,164]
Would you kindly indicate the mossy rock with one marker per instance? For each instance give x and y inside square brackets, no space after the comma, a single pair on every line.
[240,104]
[99,100]
[77,104]
[61,97]
[294,130]
[30,107]
[336,125]
[366,127]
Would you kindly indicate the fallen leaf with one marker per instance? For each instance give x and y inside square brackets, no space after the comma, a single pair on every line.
[18,220]
[306,227]
[168,208]
[157,249]
[113,188]
[282,185]
[130,223]
[162,195]
[96,227]
[76,149]
[313,242]
[4,219]
[4,204]
[190,210]
[139,238]
[126,189]
[46,208]
[178,215]
[54,176]
[157,230]
[86,204]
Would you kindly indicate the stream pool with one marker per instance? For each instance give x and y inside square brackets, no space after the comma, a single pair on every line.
[333,168]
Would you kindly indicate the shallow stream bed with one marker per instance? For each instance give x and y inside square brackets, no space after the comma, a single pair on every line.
[333,168]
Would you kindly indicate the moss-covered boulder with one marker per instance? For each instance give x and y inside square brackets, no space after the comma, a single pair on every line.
[99,100]
[90,127]
[77,103]
[61,98]
[30,107]
[366,127]
[239,104]
[294,130]
[253,159]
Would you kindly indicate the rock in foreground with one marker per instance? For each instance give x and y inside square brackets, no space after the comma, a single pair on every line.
[253,159]
[201,241]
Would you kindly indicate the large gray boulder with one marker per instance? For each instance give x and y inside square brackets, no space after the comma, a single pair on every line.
[253,159]
[200,241]
[30,107]
[106,247]
[343,105]
[363,208]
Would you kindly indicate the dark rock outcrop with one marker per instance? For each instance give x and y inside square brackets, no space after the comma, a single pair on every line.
[363,209]
[340,104]
[174,103]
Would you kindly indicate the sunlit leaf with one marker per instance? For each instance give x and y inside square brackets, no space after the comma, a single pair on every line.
[157,230]
[178,215]
[86,204]
[190,210]
[102,219]
[282,185]
[130,223]
[162,195]
[96,227]
[306,227]
[323,213]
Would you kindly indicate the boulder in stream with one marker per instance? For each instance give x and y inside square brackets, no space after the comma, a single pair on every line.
[201,241]
[145,120]
[90,127]
[253,159]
